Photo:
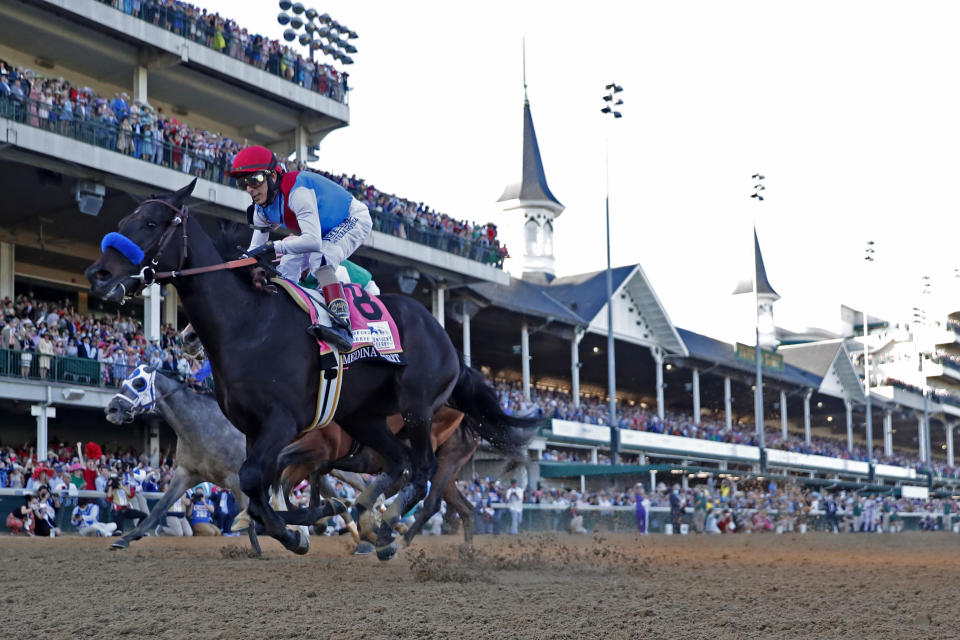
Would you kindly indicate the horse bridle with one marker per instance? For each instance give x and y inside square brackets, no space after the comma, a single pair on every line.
[148,274]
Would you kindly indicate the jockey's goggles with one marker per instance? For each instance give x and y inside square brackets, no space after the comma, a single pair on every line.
[252,179]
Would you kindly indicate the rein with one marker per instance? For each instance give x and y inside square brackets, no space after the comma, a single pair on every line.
[148,275]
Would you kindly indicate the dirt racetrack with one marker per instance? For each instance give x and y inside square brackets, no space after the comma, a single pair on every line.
[611,586]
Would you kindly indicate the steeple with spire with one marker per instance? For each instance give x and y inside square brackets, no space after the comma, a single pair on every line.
[765,295]
[529,204]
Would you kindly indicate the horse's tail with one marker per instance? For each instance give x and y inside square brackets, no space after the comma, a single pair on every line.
[474,396]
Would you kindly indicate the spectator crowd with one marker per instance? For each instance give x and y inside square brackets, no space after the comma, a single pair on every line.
[225,36]
[33,333]
[593,410]
[137,129]
[719,504]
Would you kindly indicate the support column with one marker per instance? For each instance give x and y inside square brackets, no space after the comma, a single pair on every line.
[151,312]
[849,407]
[728,403]
[42,412]
[783,414]
[140,83]
[921,438]
[806,415]
[888,433]
[170,307]
[153,442]
[465,322]
[439,299]
[525,358]
[6,270]
[696,396]
[658,358]
[949,429]
[575,366]
[300,143]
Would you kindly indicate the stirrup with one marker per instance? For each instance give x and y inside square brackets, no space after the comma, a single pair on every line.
[335,336]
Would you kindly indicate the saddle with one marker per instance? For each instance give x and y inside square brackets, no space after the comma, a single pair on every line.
[375,336]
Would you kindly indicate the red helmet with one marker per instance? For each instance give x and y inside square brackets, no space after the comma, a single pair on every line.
[255,158]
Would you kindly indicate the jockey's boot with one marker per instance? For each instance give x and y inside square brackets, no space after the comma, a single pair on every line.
[340,334]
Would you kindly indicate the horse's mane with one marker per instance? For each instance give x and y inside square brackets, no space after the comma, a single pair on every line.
[231,242]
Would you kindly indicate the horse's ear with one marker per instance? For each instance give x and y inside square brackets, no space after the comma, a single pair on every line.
[184,193]
[151,368]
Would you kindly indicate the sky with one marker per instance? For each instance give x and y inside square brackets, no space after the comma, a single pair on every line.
[849,109]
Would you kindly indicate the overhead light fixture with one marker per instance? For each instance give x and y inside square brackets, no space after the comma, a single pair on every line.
[298,8]
[283,18]
[296,22]
[305,39]
[285,4]
[289,35]
[311,14]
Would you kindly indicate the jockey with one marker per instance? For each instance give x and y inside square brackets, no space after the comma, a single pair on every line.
[328,224]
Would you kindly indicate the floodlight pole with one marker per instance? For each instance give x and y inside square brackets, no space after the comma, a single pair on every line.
[866,376]
[613,89]
[758,393]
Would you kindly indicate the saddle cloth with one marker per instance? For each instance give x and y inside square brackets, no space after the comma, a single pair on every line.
[375,334]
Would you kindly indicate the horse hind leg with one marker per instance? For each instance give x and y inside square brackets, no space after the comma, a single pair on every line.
[451,456]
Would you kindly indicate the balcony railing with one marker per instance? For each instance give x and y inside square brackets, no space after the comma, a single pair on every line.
[252,50]
[31,365]
[106,134]
[398,226]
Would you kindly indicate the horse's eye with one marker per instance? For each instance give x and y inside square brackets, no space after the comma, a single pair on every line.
[139,384]
[151,225]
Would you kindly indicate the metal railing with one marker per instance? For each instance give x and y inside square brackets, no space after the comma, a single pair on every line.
[289,66]
[398,226]
[108,134]
[32,365]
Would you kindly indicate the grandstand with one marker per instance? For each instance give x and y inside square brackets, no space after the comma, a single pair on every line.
[687,397]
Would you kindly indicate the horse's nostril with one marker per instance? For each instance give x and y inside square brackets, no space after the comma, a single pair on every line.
[102,274]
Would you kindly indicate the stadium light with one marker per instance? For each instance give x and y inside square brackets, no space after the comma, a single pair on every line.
[317,31]
[612,88]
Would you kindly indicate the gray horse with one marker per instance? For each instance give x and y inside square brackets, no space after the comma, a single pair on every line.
[209,447]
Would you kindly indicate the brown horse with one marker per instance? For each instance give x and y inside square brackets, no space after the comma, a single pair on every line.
[321,451]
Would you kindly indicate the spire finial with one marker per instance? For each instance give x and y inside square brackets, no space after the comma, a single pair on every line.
[524,46]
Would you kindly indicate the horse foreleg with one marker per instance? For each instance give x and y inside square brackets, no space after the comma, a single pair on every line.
[181,480]
[424,467]
[256,475]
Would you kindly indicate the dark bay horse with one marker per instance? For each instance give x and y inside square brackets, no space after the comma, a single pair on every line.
[266,368]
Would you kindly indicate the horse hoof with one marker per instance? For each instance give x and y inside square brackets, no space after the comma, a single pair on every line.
[303,544]
[122,543]
[338,506]
[364,548]
[387,552]
[241,522]
[402,528]
[367,524]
